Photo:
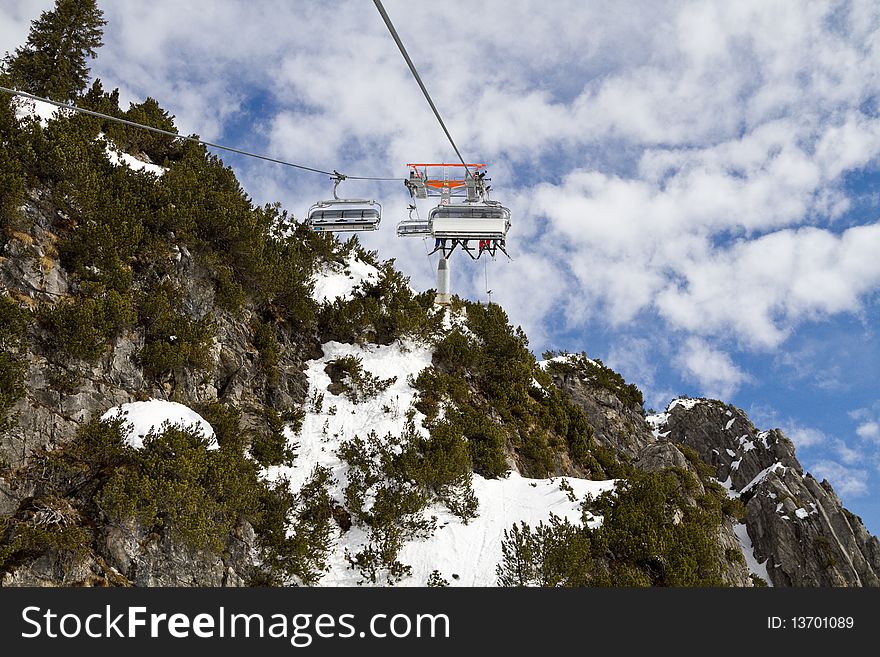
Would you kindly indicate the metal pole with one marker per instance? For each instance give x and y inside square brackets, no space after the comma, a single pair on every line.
[444,295]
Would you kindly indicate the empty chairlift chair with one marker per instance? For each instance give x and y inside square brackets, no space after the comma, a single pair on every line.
[414,226]
[344,215]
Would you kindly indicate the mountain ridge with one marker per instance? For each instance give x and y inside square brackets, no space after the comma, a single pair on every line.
[122,284]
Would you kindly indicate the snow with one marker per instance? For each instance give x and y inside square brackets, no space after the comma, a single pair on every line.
[762,475]
[339,281]
[735,464]
[686,403]
[727,484]
[801,513]
[729,423]
[730,452]
[37,109]
[472,551]
[563,358]
[145,416]
[340,419]
[469,551]
[118,158]
[657,422]
[537,386]
[759,568]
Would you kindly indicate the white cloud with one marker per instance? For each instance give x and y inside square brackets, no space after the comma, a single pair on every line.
[846,480]
[637,360]
[685,162]
[713,371]
[868,418]
[803,436]
[869,431]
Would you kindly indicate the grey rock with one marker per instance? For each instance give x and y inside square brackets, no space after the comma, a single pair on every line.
[616,425]
[797,525]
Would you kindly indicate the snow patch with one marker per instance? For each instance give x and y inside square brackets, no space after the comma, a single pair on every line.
[472,551]
[145,416]
[730,452]
[756,567]
[339,281]
[686,403]
[729,422]
[657,422]
[36,109]
[564,358]
[801,513]
[118,158]
[762,475]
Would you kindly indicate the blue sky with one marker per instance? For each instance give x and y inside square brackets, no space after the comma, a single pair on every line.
[694,185]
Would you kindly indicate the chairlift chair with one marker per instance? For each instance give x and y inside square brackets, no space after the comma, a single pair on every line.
[414,226]
[344,215]
[488,220]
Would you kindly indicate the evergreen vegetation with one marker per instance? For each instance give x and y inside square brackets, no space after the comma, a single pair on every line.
[391,481]
[14,322]
[173,485]
[349,378]
[53,61]
[651,535]
[595,371]
[492,393]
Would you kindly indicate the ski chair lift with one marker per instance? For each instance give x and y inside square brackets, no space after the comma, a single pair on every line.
[414,226]
[344,215]
[455,225]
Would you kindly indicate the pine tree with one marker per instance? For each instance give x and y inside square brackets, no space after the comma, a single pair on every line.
[53,61]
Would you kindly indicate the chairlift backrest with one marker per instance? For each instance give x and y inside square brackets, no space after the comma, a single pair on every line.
[345,216]
[413,228]
[477,221]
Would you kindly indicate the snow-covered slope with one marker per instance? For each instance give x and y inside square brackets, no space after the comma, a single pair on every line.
[337,281]
[464,554]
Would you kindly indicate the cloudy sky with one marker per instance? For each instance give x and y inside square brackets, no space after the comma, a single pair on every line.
[694,185]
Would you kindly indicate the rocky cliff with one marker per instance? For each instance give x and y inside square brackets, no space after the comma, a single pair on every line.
[795,531]
[799,530]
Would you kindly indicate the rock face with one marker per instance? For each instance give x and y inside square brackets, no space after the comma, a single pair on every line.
[624,429]
[617,425]
[64,394]
[799,530]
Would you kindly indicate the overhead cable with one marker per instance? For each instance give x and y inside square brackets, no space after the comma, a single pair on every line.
[133,124]
[412,68]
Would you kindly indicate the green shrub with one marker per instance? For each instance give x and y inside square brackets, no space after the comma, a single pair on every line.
[349,377]
[172,339]
[14,323]
[595,371]
[295,532]
[82,327]
[639,542]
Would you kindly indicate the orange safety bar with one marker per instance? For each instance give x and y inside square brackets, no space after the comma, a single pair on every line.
[475,166]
